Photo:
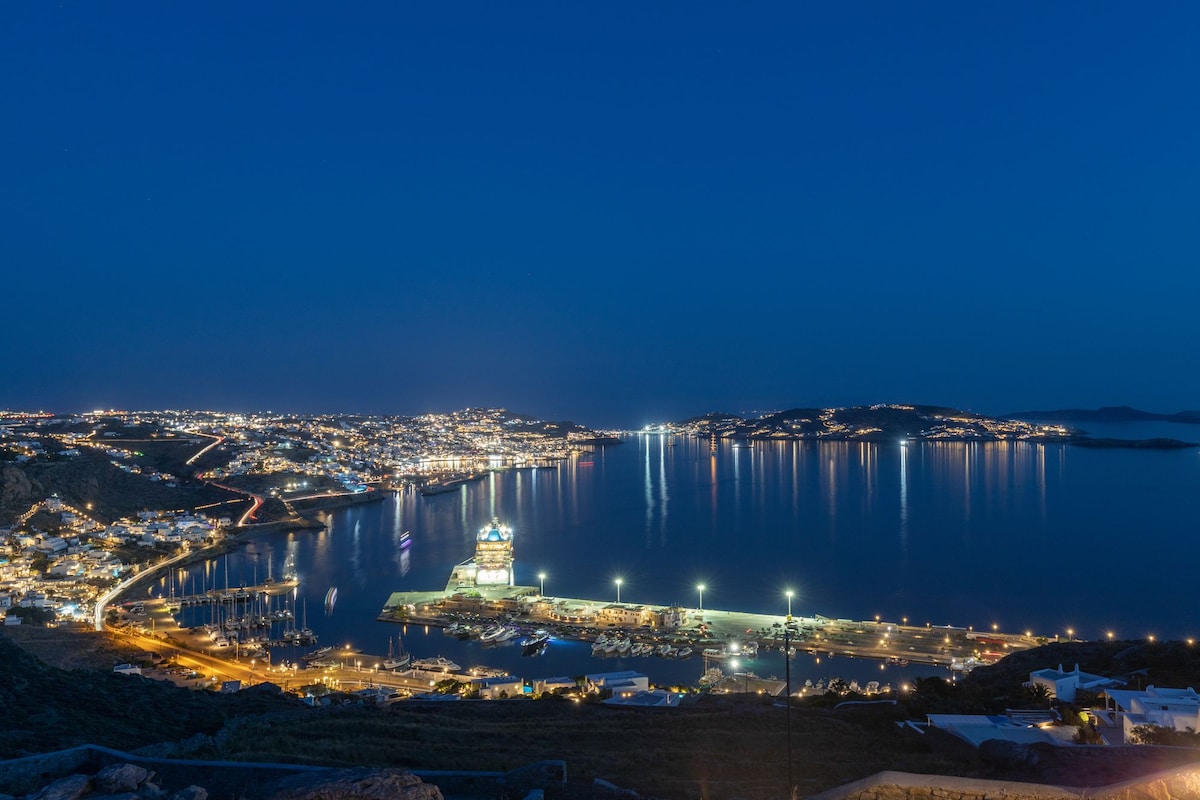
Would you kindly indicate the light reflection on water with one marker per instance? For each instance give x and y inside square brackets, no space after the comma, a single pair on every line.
[1018,534]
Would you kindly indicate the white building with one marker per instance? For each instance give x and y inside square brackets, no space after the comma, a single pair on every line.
[1065,685]
[554,684]
[624,683]
[1165,708]
[498,688]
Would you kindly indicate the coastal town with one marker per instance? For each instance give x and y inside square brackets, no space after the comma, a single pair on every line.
[89,499]
[100,507]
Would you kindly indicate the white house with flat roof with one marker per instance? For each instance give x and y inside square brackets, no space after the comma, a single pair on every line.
[975,729]
[559,683]
[624,683]
[499,687]
[1166,708]
[1065,685]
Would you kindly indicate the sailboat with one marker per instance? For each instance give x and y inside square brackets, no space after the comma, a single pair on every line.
[398,658]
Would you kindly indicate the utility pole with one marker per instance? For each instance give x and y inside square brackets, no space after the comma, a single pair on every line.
[787,675]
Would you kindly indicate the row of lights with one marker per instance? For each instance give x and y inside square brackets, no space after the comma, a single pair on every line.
[789,594]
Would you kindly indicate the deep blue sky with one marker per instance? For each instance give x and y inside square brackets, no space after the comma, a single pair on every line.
[610,212]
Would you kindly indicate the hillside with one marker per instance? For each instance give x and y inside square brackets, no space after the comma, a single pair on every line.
[46,708]
[722,746]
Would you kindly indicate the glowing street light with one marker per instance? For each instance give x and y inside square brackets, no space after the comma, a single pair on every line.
[790,594]
[618,582]
[542,584]
[700,589]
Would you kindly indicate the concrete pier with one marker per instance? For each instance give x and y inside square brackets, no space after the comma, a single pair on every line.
[715,630]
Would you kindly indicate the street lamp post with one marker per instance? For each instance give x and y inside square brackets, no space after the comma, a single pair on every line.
[787,677]
[789,594]
[700,589]
[618,582]
[542,584]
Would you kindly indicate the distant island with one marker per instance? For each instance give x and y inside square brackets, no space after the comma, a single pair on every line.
[1107,415]
[898,422]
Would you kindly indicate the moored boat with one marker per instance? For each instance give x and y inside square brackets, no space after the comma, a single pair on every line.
[398,659]
[438,664]
[535,642]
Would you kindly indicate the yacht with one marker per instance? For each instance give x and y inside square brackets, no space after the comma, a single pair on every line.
[438,664]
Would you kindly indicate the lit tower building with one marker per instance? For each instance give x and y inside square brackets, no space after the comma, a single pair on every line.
[493,561]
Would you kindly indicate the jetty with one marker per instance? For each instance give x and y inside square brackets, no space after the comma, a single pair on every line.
[482,590]
[240,594]
[715,633]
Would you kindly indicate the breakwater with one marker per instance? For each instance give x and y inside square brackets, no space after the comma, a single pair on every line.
[710,633]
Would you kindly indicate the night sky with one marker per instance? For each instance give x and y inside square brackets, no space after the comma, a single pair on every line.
[615,213]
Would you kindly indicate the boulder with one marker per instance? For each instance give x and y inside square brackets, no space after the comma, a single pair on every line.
[150,791]
[353,784]
[190,793]
[119,778]
[71,787]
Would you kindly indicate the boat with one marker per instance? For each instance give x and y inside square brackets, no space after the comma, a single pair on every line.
[449,484]
[320,652]
[535,643]
[683,652]
[438,664]
[491,634]
[398,659]
[486,672]
[714,652]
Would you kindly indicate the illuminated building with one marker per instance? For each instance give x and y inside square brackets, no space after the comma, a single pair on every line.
[493,561]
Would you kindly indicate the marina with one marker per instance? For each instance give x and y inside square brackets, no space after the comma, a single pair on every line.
[481,601]
[862,530]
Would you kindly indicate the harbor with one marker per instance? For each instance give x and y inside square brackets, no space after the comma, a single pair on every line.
[486,620]
[716,634]
[481,597]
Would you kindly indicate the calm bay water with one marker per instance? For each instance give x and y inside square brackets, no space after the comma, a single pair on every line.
[1024,536]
